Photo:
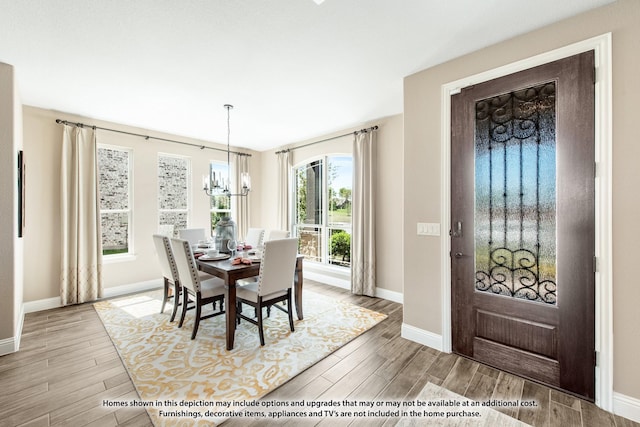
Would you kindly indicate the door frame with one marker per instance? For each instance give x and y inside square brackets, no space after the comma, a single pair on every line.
[601,45]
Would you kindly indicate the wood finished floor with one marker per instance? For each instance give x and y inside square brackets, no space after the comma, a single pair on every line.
[67,366]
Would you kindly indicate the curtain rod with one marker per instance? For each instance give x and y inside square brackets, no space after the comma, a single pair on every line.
[147,137]
[372,128]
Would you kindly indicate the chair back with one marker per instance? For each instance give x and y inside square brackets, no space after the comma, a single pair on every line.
[165,256]
[186,264]
[166,230]
[254,237]
[192,235]
[277,266]
[277,235]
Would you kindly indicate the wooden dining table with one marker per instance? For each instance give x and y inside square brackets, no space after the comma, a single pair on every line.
[231,273]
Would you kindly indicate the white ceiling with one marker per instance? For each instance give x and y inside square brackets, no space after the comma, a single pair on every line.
[293,69]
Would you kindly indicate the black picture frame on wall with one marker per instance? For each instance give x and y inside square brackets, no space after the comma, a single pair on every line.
[21,193]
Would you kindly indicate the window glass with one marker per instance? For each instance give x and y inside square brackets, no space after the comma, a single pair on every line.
[174,176]
[114,186]
[323,209]
[220,205]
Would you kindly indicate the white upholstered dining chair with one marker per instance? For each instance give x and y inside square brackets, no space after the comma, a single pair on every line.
[169,273]
[277,235]
[192,235]
[254,237]
[272,285]
[194,289]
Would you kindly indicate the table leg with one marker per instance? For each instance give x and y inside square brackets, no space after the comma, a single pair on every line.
[230,312]
[297,283]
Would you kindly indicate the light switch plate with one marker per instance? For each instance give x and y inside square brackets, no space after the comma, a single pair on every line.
[428,229]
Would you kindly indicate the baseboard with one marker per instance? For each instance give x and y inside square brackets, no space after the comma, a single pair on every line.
[627,407]
[390,295]
[346,284]
[12,344]
[327,280]
[132,288]
[41,305]
[8,346]
[114,291]
[422,337]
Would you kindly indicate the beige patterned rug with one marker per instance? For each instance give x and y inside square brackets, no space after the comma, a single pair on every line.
[180,381]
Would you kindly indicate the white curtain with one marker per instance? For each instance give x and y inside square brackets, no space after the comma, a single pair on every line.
[81,277]
[363,237]
[284,173]
[241,203]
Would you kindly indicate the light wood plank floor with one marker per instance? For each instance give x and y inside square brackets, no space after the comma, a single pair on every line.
[67,366]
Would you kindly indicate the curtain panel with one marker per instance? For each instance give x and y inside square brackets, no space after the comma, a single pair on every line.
[81,276]
[363,236]
[284,189]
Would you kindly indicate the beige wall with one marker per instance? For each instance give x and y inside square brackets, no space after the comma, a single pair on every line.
[422,267]
[11,249]
[43,140]
[389,212]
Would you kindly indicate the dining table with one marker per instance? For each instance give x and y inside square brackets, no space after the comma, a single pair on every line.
[231,273]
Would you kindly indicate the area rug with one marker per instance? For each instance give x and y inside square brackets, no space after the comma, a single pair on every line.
[198,382]
[437,406]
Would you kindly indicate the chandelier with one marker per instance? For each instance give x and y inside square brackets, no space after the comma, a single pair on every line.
[217,185]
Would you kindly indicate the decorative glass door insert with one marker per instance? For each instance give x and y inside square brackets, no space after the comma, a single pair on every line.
[515,194]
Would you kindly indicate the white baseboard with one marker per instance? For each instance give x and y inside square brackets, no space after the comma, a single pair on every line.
[627,407]
[12,344]
[390,295]
[49,303]
[41,304]
[131,288]
[327,280]
[346,284]
[422,337]
[7,346]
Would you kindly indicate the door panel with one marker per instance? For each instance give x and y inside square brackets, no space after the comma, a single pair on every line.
[523,235]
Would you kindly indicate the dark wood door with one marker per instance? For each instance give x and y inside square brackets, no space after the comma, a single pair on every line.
[523,230]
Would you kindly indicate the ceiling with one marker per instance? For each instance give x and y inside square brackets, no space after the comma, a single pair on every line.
[293,69]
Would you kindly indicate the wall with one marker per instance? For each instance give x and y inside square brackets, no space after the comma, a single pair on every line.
[389,184]
[42,145]
[11,250]
[422,104]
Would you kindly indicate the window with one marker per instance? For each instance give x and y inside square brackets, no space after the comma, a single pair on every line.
[220,205]
[114,185]
[323,209]
[174,176]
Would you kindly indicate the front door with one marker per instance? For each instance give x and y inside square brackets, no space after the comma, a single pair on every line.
[523,230]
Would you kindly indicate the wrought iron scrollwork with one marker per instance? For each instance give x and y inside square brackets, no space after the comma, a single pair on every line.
[515,274]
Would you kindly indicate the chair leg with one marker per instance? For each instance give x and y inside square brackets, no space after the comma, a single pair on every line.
[185,301]
[238,312]
[165,295]
[197,319]
[177,296]
[260,329]
[290,311]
